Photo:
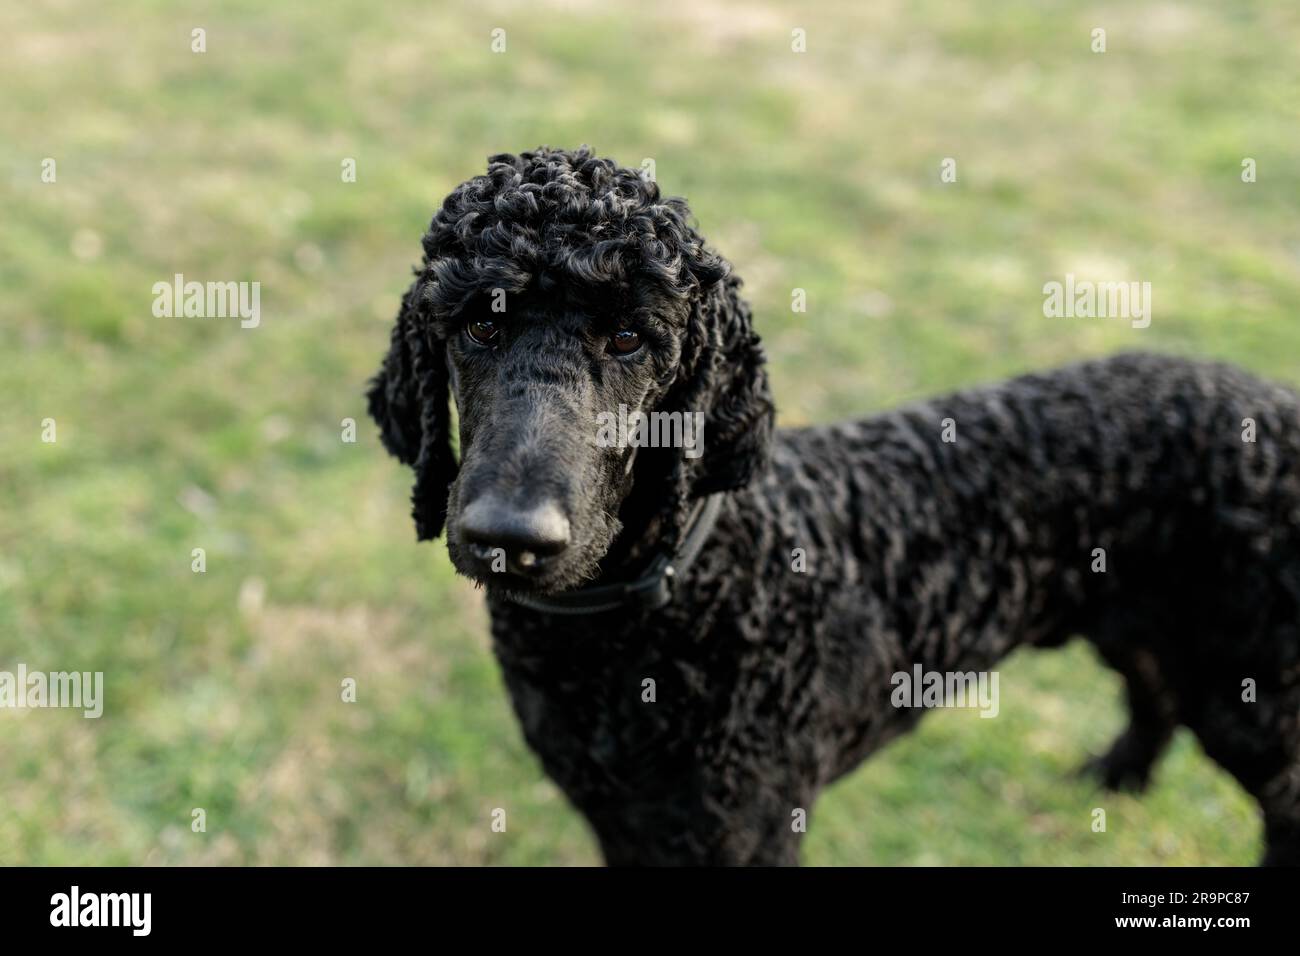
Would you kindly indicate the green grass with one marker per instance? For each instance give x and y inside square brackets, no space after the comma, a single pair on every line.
[817,170]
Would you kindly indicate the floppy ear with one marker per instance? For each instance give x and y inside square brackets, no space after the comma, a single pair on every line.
[726,379]
[408,399]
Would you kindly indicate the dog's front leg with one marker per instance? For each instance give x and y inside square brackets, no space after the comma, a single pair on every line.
[746,832]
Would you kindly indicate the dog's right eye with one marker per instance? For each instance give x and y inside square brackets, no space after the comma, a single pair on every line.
[482,331]
[625,341]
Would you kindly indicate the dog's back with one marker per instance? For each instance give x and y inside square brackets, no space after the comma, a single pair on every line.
[1150,503]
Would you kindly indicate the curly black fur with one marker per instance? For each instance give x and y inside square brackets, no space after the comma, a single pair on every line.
[771,682]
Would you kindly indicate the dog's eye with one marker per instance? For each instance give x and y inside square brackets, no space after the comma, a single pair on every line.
[625,341]
[482,331]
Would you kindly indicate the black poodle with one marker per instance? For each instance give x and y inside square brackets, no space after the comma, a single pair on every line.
[697,644]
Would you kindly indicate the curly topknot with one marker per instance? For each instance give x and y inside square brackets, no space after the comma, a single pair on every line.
[553,217]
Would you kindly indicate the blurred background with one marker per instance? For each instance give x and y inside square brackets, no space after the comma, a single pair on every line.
[817,170]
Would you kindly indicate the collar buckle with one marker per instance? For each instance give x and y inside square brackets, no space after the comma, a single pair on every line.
[654,589]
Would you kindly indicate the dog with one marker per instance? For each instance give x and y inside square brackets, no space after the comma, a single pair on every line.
[696,645]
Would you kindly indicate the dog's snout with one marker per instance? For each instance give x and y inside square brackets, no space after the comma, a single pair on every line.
[526,537]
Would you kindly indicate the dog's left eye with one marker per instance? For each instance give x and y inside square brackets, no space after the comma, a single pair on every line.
[625,341]
[482,331]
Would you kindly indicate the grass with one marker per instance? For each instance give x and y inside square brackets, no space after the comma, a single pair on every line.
[817,171]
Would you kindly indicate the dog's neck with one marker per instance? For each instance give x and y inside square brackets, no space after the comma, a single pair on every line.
[652,522]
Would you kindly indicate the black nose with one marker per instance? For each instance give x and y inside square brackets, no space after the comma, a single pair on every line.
[525,538]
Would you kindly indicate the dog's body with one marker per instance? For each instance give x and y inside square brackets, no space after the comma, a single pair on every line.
[771,682]
[945,535]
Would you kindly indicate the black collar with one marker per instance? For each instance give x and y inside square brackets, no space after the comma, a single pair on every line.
[650,591]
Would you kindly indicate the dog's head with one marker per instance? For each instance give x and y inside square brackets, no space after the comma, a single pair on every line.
[559,296]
